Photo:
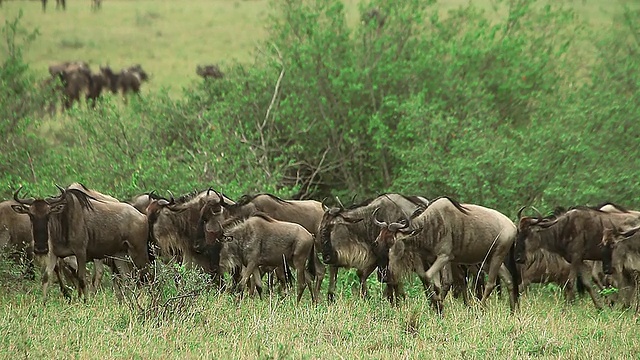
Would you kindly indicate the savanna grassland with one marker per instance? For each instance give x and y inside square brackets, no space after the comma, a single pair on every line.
[502,104]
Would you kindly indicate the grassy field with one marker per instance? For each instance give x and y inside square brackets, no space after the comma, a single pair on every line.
[215,326]
[169,38]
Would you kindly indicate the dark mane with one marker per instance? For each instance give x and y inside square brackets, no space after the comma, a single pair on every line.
[246,199]
[360,204]
[415,199]
[187,197]
[82,197]
[455,203]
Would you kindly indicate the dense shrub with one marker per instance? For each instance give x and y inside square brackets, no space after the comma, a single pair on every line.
[496,108]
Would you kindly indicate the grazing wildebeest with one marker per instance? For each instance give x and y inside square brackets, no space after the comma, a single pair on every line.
[75,223]
[621,259]
[448,232]
[174,226]
[261,240]
[348,236]
[209,72]
[58,3]
[575,235]
[307,213]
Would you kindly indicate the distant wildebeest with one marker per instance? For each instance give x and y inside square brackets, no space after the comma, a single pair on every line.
[209,71]
[174,226]
[96,5]
[260,240]
[76,224]
[348,236]
[307,213]
[576,235]
[58,4]
[450,233]
[127,80]
[621,259]
[75,79]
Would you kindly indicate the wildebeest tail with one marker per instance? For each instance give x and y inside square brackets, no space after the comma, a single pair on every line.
[288,276]
[311,262]
[513,269]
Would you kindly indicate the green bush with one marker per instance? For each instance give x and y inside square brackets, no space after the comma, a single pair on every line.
[499,110]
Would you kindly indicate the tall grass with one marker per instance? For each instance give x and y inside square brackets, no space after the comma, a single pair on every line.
[217,326]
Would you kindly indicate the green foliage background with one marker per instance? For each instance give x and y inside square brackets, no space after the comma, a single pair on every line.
[531,108]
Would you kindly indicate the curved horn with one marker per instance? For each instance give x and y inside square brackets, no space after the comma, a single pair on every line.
[353,199]
[375,219]
[172,200]
[339,202]
[520,212]
[221,197]
[151,194]
[21,201]
[393,227]
[57,198]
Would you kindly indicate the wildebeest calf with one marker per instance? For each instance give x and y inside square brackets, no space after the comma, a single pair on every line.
[263,241]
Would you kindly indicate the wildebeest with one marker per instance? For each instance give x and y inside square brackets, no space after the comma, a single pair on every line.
[209,71]
[621,258]
[75,223]
[174,226]
[575,235]
[348,235]
[261,240]
[307,213]
[75,79]
[127,80]
[448,232]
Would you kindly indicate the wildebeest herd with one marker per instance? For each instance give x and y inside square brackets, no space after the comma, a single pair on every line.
[71,80]
[449,245]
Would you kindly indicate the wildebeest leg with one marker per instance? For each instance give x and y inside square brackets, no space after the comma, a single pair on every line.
[505,280]
[441,261]
[82,274]
[333,277]
[320,271]
[257,279]
[246,277]
[59,269]
[586,280]
[363,275]
[50,264]
[302,283]
[96,279]
[44,5]
[494,268]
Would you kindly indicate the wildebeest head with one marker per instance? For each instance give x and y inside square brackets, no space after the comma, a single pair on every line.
[39,211]
[155,206]
[528,237]
[609,240]
[388,231]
